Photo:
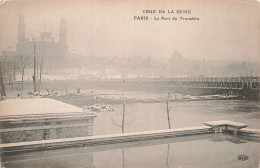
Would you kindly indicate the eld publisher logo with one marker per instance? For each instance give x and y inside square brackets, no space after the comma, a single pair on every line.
[242,157]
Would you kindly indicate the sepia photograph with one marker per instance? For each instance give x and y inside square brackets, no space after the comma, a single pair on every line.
[129,84]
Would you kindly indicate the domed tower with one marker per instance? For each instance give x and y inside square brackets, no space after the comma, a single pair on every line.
[63,32]
[21,29]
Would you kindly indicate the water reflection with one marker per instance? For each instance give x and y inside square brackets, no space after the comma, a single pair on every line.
[150,116]
[123,158]
[167,155]
[211,150]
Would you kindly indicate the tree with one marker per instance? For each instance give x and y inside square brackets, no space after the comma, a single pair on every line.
[122,122]
[4,67]
[2,88]
[13,77]
[34,75]
[119,119]
[168,107]
[34,69]
[23,62]
[40,76]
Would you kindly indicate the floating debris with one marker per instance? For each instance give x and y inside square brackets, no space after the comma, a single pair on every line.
[98,108]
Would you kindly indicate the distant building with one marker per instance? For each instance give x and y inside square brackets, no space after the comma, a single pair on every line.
[54,53]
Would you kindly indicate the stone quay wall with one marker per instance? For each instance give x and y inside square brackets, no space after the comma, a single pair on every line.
[45,127]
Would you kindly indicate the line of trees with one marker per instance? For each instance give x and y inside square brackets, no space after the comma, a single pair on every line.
[21,62]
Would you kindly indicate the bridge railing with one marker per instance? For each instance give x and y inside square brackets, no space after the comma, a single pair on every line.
[220,82]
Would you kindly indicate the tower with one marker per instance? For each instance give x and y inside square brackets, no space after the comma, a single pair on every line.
[21,29]
[63,32]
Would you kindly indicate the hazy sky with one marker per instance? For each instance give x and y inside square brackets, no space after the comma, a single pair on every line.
[227,29]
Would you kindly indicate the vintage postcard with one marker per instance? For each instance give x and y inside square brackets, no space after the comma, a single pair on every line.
[129,83]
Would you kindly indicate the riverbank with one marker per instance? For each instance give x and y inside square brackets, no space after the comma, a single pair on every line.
[70,87]
[83,100]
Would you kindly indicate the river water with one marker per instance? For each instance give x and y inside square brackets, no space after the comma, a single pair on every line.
[152,116]
[204,151]
[199,151]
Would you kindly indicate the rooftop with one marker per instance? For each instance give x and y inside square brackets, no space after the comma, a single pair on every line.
[35,106]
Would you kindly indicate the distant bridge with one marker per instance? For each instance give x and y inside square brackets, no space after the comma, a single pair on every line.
[230,83]
[246,86]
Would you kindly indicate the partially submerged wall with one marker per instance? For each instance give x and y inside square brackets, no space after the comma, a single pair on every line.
[24,130]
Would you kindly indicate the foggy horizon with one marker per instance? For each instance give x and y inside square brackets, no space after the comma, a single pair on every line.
[109,30]
[129,83]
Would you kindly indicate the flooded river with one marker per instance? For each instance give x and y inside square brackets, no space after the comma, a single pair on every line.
[199,151]
[152,116]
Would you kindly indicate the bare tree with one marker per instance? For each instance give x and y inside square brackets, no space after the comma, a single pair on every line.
[2,88]
[13,78]
[34,75]
[37,71]
[168,107]
[34,69]
[67,94]
[4,66]
[23,62]
[122,122]
[39,87]
[124,114]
